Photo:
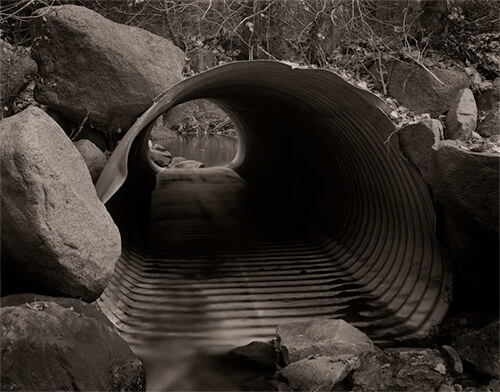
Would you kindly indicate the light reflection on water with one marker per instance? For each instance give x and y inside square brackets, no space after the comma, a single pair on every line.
[212,150]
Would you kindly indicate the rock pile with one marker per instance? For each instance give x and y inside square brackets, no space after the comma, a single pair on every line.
[462,173]
[163,158]
[95,78]
[332,355]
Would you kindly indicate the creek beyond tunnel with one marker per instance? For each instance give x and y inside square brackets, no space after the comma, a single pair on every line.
[318,216]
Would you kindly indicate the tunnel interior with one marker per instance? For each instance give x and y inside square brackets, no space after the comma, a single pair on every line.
[318,216]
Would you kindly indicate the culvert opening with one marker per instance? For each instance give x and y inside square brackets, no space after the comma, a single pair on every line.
[318,216]
[198,131]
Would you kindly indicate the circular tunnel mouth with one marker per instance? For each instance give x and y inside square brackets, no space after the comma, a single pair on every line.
[197,133]
[318,216]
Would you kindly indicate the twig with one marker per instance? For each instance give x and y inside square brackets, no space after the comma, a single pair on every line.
[73,137]
[424,67]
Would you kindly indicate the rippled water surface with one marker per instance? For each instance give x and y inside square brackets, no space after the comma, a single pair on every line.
[212,150]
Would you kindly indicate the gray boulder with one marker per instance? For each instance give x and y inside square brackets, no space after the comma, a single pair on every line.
[467,182]
[417,89]
[16,70]
[452,173]
[55,232]
[94,158]
[481,349]
[49,347]
[318,373]
[80,307]
[187,164]
[416,141]
[465,185]
[402,369]
[491,124]
[89,64]
[461,120]
[320,337]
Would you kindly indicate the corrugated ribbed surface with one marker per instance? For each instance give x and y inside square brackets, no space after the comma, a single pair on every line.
[318,216]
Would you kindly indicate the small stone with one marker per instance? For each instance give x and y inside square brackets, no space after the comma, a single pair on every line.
[476,135]
[187,164]
[320,337]
[159,147]
[453,360]
[94,158]
[317,374]
[176,160]
[494,385]
[160,158]
[462,116]
[446,388]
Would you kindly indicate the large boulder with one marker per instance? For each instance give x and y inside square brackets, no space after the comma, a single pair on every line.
[16,70]
[80,307]
[467,183]
[417,89]
[462,116]
[463,181]
[481,349]
[91,65]
[326,337]
[94,158]
[402,369]
[55,232]
[465,186]
[47,346]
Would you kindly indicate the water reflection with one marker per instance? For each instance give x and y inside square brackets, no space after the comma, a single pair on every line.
[212,150]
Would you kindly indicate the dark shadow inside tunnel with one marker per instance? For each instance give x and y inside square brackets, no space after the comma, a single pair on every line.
[317,216]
